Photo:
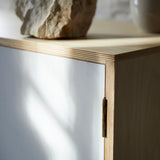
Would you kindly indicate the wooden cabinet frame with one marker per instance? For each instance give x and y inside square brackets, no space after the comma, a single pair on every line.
[128,62]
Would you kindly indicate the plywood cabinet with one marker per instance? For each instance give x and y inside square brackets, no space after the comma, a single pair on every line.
[70,78]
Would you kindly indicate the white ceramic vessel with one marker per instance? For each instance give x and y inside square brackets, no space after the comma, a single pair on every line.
[146,14]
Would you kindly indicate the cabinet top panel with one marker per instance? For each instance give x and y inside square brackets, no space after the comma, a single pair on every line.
[105,40]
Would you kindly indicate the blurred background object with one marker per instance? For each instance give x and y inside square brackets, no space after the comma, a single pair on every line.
[113,9]
[145,14]
[106,9]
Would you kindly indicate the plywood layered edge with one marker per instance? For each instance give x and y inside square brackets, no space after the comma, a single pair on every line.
[109,94]
[56,50]
[100,55]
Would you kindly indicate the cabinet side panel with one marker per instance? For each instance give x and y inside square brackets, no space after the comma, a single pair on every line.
[137,107]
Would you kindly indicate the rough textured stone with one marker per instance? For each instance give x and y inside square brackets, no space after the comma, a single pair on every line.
[51,19]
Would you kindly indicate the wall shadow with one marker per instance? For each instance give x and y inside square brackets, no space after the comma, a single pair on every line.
[22,121]
[18,141]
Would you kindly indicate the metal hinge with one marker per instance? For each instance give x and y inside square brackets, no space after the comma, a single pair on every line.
[104,118]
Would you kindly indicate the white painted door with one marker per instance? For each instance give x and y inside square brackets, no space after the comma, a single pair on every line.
[50,107]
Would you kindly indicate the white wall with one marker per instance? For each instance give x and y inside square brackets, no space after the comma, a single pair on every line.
[7,4]
[106,9]
[113,9]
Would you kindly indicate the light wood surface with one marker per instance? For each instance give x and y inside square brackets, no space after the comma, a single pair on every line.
[109,94]
[137,106]
[104,40]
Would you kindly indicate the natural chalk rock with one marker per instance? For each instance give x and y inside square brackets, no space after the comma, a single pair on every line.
[49,19]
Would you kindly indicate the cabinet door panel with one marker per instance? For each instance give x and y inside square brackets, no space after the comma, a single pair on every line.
[50,107]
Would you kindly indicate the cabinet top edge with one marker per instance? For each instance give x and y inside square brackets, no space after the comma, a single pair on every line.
[100,56]
[105,41]
[39,46]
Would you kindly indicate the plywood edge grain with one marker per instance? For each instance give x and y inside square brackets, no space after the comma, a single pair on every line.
[110,95]
[63,49]
[56,50]
[105,39]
